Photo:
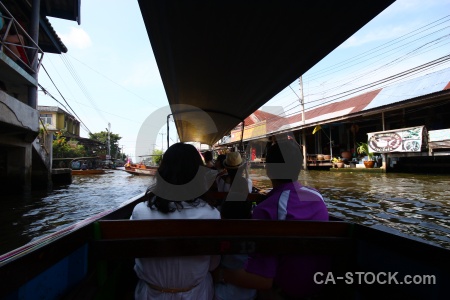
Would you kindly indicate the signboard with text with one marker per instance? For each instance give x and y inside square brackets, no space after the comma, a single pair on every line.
[397,140]
[251,131]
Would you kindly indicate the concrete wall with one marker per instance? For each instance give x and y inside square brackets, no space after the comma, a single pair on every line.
[15,165]
[18,114]
[19,127]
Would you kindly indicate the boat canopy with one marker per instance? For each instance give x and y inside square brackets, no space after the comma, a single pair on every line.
[228,58]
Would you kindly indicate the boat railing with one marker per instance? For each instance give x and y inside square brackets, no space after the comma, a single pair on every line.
[119,239]
[31,51]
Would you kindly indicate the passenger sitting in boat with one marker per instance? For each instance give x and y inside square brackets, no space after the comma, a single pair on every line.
[288,275]
[218,164]
[235,167]
[84,166]
[176,277]
[209,162]
[225,290]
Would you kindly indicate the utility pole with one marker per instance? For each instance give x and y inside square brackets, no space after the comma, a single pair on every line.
[108,141]
[302,102]
[162,141]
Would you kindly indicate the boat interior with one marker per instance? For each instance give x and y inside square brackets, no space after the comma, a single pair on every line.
[99,253]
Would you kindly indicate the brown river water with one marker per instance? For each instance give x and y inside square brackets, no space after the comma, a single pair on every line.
[416,205]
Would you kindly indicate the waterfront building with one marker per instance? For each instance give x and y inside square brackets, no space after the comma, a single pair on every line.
[26,35]
[421,102]
[56,119]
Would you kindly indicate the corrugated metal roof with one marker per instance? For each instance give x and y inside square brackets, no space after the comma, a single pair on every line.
[332,110]
[62,9]
[410,89]
[259,116]
[45,41]
[42,108]
[424,85]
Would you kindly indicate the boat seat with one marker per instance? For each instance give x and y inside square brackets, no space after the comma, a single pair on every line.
[119,239]
[252,197]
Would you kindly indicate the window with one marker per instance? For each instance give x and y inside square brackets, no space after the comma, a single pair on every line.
[46,118]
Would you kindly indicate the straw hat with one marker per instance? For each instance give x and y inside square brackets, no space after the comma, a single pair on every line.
[233,160]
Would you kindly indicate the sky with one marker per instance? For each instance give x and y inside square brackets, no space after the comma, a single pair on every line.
[109,74]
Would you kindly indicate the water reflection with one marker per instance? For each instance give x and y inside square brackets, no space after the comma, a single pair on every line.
[24,218]
[405,204]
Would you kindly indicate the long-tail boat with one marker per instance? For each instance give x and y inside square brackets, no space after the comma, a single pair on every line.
[140,169]
[227,58]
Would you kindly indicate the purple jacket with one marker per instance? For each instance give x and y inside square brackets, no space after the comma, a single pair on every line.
[293,273]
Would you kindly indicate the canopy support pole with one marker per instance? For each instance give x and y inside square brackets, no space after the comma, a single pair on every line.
[168,117]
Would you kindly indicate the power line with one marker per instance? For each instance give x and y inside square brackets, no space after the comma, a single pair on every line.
[384,45]
[81,85]
[48,93]
[380,83]
[364,72]
[145,100]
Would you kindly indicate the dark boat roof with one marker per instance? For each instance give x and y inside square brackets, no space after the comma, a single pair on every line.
[228,58]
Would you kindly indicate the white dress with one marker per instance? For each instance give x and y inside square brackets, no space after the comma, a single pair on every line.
[223,186]
[176,272]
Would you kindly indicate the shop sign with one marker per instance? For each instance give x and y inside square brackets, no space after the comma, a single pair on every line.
[397,140]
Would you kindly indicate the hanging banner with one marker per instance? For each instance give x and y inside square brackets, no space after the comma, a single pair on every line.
[251,131]
[397,140]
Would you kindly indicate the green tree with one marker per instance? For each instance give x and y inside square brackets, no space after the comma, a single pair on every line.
[157,159]
[102,137]
[64,149]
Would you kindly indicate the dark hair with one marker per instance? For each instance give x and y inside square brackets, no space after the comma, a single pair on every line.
[179,165]
[220,159]
[208,156]
[287,152]
[234,178]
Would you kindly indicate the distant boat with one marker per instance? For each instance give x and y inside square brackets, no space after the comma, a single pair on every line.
[86,166]
[88,172]
[140,169]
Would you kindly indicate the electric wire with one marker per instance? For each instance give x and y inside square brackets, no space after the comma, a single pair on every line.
[119,85]
[384,45]
[385,66]
[357,77]
[45,91]
[48,93]
[405,37]
[384,82]
[81,85]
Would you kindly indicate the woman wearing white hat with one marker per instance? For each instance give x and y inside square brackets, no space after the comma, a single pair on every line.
[235,166]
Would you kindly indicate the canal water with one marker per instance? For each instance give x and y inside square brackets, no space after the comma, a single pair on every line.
[415,205]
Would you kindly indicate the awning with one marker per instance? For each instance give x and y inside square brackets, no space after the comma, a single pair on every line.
[228,58]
